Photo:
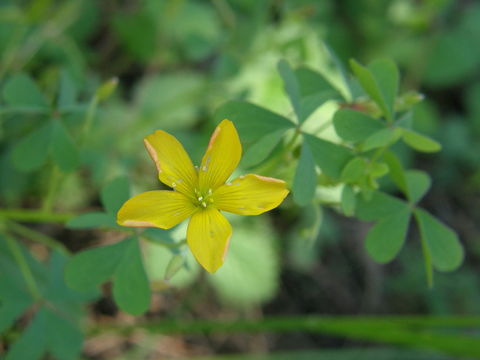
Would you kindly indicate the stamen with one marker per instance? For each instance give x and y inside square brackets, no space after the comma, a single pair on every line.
[204,204]
[200,198]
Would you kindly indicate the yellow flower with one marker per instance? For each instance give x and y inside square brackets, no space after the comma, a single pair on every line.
[201,193]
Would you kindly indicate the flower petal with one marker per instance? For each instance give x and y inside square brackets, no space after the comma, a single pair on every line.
[250,195]
[175,168]
[208,236]
[222,156]
[163,209]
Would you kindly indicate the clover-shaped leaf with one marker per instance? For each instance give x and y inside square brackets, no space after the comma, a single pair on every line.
[122,262]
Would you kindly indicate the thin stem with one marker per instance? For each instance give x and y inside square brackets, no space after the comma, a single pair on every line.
[35,216]
[225,12]
[310,323]
[89,117]
[37,237]
[272,164]
[53,185]
[24,268]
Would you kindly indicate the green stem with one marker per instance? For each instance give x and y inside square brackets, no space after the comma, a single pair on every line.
[225,12]
[89,117]
[53,186]
[272,164]
[310,323]
[35,216]
[24,268]
[37,237]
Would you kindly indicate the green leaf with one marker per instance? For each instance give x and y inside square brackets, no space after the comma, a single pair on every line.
[260,150]
[386,238]
[380,206]
[420,142]
[32,343]
[354,170]
[330,157]
[10,310]
[418,183]
[385,73]
[64,151]
[310,103]
[396,171]
[382,138]
[64,338]
[92,220]
[311,82]
[291,87]
[131,289]
[30,153]
[442,242]
[115,194]
[305,180]
[90,268]
[380,81]
[67,91]
[348,200]
[252,122]
[378,169]
[21,90]
[355,126]
[248,277]
[369,84]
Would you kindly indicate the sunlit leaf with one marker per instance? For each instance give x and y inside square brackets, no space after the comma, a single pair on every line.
[248,277]
[420,142]
[382,138]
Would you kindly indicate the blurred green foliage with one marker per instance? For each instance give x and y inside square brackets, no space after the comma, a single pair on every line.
[70,143]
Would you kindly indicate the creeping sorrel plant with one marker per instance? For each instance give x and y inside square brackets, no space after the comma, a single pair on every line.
[202,193]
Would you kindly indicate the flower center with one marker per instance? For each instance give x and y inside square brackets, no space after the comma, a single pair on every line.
[204,198]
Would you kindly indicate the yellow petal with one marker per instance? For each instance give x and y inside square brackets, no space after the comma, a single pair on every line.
[250,195]
[162,209]
[221,158]
[208,236]
[175,168]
